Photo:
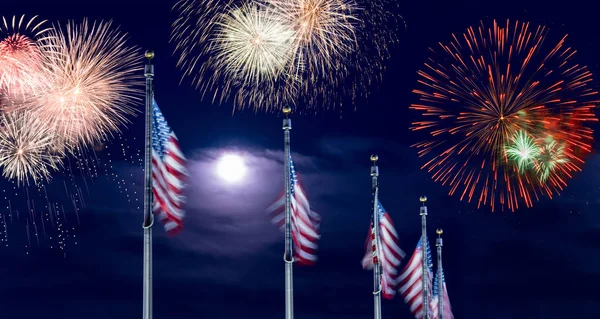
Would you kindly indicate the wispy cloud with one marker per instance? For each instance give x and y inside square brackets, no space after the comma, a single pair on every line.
[229,246]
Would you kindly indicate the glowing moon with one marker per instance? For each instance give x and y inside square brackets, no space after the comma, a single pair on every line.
[231,168]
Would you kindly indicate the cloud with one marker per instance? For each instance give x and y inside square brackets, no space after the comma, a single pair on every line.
[227,219]
[230,248]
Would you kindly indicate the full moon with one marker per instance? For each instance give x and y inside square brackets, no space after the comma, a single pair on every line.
[231,168]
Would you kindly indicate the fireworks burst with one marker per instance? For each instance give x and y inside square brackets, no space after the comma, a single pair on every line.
[523,150]
[25,143]
[94,83]
[325,44]
[252,45]
[483,88]
[310,57]
[224,58]
[242,52]
[21,55]
[324,31]
[551,156]
[61,91]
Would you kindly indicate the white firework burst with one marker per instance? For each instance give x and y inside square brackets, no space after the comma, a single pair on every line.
[266,54]
[95,82]
[26,148]
[252,44]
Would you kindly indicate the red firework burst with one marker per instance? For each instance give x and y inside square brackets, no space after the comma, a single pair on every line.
[481,88]
[21,55]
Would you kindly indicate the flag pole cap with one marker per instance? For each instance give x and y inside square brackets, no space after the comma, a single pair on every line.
[149,54]
[423,199]
[374,158]
[439,231]
[287,110]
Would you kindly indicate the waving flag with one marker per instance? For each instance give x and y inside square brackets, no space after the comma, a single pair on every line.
[411,280]
[305,222]
[436,299]
[168,173]
[387,252]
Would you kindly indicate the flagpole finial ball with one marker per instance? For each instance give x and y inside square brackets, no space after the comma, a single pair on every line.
[149,54]
[439,231]
[423,199]
[374,158]
[287,110]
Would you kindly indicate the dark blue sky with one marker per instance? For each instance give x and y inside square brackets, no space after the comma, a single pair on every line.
[536,263]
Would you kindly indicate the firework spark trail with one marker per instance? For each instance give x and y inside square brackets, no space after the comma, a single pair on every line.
[25,141]
[192,30]
[54,227]
[28,236]
[43,225]
[4,239]
[482,88]
[377,32]
[22,46]
[10,214]
[94,81]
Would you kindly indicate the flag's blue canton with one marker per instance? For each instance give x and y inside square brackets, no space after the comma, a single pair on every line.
[435,284]
[293,177]
[381,209]
[381,212]
[160,130]
[429,260]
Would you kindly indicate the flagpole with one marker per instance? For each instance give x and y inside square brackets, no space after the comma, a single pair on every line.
[439,243]
[148,216]
[288,256]
[424,247]
[376,264]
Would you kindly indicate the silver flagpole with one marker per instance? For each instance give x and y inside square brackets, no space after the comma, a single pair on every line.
[439,243]
[376,266]
[424,247]
[288,256]
[148,216]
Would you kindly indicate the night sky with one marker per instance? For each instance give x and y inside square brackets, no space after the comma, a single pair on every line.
[541,262]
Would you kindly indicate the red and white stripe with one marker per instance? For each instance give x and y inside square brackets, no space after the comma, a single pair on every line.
[390,257]
[410,283]
[168,175]
[435,301]
[435,305]
[305,225]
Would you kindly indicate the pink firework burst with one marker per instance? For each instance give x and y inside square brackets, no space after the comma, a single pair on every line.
[94,81]
[21,56]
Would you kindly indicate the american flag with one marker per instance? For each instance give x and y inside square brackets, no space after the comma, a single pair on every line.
[305,222]
[411,280]
[387,252]
[436,298]
[168,174]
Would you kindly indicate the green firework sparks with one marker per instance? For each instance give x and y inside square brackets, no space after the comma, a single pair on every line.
[551,155]
[523,149]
